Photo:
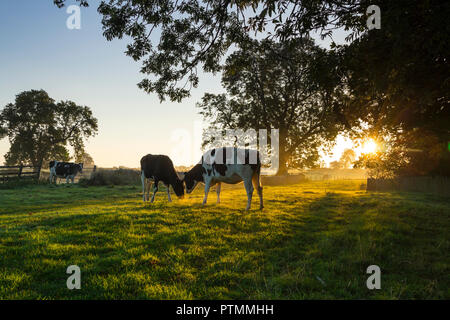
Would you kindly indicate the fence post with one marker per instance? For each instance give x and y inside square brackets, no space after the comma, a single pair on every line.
[93,171]
[20,170]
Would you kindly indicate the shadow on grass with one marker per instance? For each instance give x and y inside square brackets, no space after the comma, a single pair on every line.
[314,246]
[336,237]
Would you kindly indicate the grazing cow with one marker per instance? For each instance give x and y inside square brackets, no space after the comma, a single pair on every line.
[67,170]
[228,165]
[159,168]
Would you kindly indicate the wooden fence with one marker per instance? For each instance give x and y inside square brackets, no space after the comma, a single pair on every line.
[435,185]
[8,173]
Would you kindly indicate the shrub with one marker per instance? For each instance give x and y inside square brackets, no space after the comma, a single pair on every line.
[105,177]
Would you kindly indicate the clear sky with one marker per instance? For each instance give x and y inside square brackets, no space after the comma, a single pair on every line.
[38,51]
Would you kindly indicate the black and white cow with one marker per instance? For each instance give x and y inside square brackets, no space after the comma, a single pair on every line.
[158,168]
[228,165]
[67,170]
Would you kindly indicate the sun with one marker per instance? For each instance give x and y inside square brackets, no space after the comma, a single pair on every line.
[370,146]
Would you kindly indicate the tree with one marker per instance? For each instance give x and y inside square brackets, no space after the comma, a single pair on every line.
[198,33]
[40,129]
[403,97]
[84,158]
[278,85]
[347,158]
[428,157]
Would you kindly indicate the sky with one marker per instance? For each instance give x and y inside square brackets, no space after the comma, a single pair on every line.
[38,51]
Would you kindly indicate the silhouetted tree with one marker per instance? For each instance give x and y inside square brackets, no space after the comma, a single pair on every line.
[39,129]
[196,34]
[278,85]
[403,96]
[84,158]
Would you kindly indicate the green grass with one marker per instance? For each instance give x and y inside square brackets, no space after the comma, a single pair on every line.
[312,241]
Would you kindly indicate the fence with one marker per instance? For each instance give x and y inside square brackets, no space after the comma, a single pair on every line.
[19,172]
[436,185]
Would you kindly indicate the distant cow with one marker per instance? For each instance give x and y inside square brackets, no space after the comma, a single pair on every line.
[67,170]
[158,168]
[228,165]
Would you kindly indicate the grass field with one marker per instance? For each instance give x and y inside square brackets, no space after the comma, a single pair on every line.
[312,241]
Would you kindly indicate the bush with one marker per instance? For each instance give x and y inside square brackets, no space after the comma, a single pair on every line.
[106,177]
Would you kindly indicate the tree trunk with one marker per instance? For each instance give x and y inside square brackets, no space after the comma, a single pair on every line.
[282,168]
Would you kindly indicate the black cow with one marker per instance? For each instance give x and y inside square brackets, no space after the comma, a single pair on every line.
[228,165]
[67,170]
[159,168]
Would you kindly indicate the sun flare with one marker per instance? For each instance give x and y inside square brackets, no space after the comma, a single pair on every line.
[370,146]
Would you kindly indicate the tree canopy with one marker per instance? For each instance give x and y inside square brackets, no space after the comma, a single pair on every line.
[277,85]
[398,80]
[40,129]
[196,34]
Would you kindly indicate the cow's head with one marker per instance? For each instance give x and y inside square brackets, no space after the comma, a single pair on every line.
[80,167]
[189,182]
[193,177]
[178,187]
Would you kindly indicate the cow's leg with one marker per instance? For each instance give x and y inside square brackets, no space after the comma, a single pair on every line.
[143,186]
[218,191]
[149,184]
[168,193]
[207,186]
[155,189]
[249,188]
[259,189]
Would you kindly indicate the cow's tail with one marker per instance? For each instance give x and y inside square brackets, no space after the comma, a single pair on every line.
[257,180]
[258,163]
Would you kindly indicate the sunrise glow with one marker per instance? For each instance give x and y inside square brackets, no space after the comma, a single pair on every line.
[369,146]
